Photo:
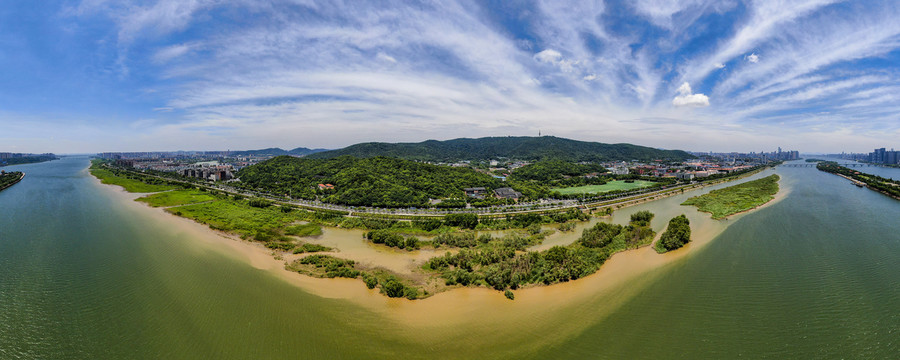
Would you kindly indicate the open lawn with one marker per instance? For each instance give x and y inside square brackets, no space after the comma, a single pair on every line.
[610,186]
[177,197]
[130,185]
[734,199]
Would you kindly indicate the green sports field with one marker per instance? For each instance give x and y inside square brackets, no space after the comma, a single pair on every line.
[610,186]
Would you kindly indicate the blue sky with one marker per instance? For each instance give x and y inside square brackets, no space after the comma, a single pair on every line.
[98,75]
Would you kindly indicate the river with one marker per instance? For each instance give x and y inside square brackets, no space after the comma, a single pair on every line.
[86,274]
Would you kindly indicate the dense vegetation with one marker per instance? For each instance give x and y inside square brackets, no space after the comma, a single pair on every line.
[27,159]
[381,182]
[9,179]
[677,234]
[551,170]
[885,186]
[734,199]
[260,224]
[330,266]
[392,239]
[501,265]
[520,148]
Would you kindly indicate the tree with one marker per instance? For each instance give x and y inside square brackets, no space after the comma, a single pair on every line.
[392,287]
[642,217]
[677,234]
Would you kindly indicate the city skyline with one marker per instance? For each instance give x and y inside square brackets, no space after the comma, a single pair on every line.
[95,75]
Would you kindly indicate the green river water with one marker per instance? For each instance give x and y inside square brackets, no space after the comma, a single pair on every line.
[85,275]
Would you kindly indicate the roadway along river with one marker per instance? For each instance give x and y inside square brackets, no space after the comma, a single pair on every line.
[88,275]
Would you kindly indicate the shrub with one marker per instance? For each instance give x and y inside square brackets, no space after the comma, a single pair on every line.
[599,235]
[259,203]
[642,218]
[370,281]
[412,243]
[463,221]
[387,237]
[392,287]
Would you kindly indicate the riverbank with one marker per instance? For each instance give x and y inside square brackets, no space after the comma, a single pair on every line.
[347,245]
[877,183]
[478,317]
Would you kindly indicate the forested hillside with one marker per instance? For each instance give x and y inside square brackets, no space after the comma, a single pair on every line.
[520,148]
[549,170]
[377,181]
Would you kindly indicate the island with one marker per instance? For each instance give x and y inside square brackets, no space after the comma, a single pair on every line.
[677,234]
[8,179]
[735,199]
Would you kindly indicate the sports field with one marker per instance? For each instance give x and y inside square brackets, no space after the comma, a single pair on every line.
[610,186]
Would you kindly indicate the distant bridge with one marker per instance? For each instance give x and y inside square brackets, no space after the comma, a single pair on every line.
[814,165]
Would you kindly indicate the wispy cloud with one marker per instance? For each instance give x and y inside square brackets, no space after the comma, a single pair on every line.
[329,73]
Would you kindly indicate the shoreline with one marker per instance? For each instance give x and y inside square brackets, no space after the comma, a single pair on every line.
[858,183]
[14,182]
[612,274]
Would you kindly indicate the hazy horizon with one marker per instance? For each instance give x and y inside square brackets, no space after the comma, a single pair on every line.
[818,76]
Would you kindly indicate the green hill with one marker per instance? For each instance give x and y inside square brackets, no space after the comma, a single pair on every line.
[519,148]
[377,181]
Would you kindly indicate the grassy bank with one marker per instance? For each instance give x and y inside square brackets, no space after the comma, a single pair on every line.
[177,197]
[128,180]
[734,199]
[238,217]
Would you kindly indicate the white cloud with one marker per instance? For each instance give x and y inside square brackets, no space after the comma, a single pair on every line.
[548,56]
[753,58]
[298,78]
[686,98]
[553,57]
[385,57]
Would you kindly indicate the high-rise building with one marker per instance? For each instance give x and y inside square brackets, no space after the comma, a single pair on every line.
[877,156]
